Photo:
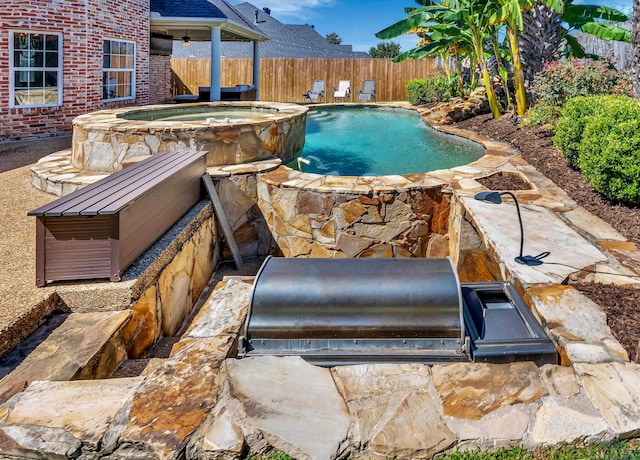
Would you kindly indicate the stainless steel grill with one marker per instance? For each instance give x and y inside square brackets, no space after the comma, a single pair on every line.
[343,311]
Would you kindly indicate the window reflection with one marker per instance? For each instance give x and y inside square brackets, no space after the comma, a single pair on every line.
[36,69]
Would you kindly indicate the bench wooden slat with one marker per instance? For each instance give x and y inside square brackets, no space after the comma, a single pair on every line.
[138,178]
[57,207]
[114,202]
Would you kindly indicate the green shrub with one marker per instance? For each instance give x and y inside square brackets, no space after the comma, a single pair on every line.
[559,82]
[434,88]
[609,155]
[601,137]
[570,127]
[543,115]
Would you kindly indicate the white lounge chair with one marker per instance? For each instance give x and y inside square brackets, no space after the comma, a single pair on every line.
[343,91]
[316,93]
[368,91]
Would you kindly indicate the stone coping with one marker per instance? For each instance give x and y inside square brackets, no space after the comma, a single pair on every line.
[56,175]
[115,119]
[254,167]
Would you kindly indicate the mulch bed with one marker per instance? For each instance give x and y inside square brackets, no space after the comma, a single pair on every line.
[505,181]
[620,303]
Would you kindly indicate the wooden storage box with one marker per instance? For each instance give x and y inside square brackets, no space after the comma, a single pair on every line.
[99,230]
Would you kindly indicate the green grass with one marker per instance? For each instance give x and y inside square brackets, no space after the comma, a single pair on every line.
[622,450]
[271,455]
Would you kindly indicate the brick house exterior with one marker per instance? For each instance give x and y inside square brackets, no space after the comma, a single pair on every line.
[75,35]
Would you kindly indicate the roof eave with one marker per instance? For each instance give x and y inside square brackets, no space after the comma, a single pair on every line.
[166,22]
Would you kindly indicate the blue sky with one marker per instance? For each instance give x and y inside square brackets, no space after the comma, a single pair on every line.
[357,21]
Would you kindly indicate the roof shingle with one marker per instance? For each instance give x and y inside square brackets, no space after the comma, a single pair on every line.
[285,40]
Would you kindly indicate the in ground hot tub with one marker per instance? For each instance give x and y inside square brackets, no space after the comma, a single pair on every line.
[348,311]
[231,132]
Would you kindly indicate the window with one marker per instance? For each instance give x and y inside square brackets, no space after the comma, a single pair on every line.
[35,69]
[118,70]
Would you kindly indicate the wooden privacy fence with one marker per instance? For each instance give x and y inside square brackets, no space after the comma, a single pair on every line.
[287,79]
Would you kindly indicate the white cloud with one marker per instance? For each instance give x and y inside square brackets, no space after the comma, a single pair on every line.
[300,9]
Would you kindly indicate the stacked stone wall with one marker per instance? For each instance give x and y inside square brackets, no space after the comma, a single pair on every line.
[169,297]
[83,25]
[391,223]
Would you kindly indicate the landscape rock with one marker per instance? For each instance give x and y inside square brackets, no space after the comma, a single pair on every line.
[615,391]
[295,404]
[223,312]
[505,426]
[472,391]
[85,345]
[175,398]
[560,380]
[53,417]
[395,410]
[569,314]
[570,420]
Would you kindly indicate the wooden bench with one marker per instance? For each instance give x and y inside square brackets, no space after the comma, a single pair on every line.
[99,230]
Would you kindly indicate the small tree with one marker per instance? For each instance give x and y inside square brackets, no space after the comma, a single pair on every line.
[333,38]
[385,50]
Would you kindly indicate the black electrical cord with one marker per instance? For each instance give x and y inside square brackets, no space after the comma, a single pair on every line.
[592,271]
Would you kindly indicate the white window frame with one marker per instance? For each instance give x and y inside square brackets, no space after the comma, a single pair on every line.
[131,70]
[13,69]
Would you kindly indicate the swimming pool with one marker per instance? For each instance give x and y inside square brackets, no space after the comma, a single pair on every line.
[362,141]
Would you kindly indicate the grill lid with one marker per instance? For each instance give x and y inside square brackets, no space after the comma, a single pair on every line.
[357,307]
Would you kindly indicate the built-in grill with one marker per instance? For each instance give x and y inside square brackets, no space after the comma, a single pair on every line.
[346,311]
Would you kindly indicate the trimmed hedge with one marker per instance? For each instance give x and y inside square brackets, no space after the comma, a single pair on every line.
[601,137]
[570,127]
[434,88]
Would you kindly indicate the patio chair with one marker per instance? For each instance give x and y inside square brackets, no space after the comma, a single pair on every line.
[343,91]
[368,91]
[315,94]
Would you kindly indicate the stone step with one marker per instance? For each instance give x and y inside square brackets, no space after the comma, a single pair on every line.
[70,347]
[63,420]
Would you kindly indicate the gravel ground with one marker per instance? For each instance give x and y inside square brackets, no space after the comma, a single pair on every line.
[21,302]
[18,292]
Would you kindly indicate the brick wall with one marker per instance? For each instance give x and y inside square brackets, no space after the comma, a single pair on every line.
[83,25]
[159,79]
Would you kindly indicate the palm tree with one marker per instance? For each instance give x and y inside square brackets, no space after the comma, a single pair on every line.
[541,38]
[511,15]
[547,33]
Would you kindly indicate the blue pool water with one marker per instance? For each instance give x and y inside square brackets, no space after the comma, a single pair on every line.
[361,141]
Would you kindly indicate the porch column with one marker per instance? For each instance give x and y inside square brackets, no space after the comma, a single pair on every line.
[215,64]
[256,68]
